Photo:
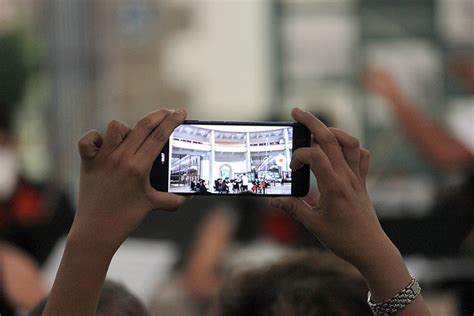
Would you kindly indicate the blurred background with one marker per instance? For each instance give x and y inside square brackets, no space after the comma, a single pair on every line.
[69,66]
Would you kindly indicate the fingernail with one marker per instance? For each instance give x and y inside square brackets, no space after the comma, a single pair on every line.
[181,111]
[299,109]
[276,203]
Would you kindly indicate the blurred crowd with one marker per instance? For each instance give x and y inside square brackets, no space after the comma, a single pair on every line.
[221,236]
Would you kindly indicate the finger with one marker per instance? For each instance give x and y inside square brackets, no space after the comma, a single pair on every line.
[143,128]
[89,144]
[165,201]
[299,210]
[312,198]
[154,143]
[323,136]
[318,162]
[364,163]
[115,134]
[350,148]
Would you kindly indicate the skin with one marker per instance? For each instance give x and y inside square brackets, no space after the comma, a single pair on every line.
[463,69]
[441,149]
[21,282]
[344,218]
[115,196]
[212,241]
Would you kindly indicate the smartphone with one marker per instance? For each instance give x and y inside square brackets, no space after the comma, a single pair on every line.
[232,158]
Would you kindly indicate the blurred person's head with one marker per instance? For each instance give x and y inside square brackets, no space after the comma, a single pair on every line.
[115,300]
[303,284]
[9,168]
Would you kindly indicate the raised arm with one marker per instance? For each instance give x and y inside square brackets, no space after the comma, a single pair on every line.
[213,240]
[115,195]
[463,69]
[344,219]
[435,143]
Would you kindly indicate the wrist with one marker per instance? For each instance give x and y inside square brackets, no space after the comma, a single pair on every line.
[89,244]
[80,277]
[379,253]
[386,273]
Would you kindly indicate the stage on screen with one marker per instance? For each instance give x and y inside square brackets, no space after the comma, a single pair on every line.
[231,159]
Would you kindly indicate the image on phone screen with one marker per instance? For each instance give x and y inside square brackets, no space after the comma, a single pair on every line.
[230,159]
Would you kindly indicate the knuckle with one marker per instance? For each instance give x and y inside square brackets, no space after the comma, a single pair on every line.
[330,139]
[114,125]
[353,179]
[365,153]
[146,123]
[288,206]
[116,128]
[292,214]
[83,142]
[130,167]
[315,153]
[290,209]
[353,143]
[296,154]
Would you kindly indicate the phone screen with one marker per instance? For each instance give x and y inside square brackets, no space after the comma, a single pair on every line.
[230,159]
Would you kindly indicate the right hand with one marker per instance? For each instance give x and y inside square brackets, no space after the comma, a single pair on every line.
[382,82]
[344,219]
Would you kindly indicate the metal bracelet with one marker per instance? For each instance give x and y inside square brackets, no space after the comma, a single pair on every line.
[397,302]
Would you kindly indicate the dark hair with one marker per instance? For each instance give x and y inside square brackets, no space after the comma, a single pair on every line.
[6,118]
[303,284]
[115,300]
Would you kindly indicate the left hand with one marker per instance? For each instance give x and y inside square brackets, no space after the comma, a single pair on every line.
[115,193]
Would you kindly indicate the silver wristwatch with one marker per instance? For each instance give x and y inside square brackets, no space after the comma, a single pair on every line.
[397,302]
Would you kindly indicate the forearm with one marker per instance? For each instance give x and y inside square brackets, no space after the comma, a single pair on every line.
[213,240]
[80,278]
[437,145]
[386,275]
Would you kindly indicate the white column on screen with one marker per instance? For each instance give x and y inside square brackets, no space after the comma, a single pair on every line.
[212,158]
[287,149]
[248,151]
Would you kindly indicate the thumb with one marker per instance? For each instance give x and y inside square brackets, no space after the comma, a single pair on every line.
[298,209]
[312,198]
[165,201]
[89,144]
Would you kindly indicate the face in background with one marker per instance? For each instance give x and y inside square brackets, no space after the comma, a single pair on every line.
[9,167]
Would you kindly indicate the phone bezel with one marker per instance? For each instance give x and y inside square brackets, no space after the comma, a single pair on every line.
[159,177]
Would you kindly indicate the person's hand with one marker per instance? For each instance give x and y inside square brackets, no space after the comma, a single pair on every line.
[344,219]
[380,81]
[463,69]
[115,192]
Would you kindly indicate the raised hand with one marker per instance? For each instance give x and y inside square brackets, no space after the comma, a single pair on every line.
[115,195]
[343,219]
[115,192]
[382,82]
